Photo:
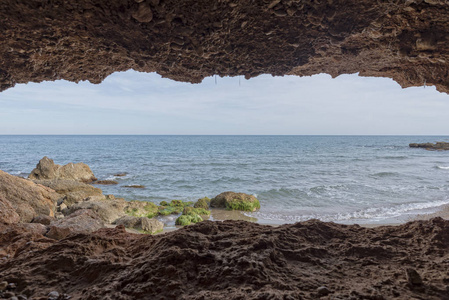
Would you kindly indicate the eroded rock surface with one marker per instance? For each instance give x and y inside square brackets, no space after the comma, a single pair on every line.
[188,40]
[28,199]
[236,260]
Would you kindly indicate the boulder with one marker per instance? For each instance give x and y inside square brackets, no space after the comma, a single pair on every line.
[47,169]
[202,203]
[107,210]
[27,198]
[8,214]
[143,224]
[235,201]
[81,221]
[72,191]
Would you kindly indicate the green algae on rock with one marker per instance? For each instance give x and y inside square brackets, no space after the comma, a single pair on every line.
[196,211]
[202,203]
[235,201]
[192,215]
[174,207]
[185,220]
[142,209]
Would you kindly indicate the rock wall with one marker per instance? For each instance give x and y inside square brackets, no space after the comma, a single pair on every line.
[187,40]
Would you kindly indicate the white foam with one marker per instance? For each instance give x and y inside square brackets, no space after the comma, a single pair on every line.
[369,214]
[443,168]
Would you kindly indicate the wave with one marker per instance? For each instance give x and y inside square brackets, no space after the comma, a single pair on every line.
[369,214]
[442,167]
[400,157]
[384,174]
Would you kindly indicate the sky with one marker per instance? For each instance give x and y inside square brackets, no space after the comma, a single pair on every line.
[140,103]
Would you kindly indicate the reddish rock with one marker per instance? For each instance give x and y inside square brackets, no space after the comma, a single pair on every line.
[27,198]
[237,260]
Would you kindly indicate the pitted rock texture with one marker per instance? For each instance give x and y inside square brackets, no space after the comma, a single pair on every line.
[235,260]
[187,40]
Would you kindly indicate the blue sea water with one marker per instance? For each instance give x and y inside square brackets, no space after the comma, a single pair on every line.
[348,179]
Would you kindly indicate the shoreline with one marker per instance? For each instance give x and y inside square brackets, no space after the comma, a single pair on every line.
[220,215]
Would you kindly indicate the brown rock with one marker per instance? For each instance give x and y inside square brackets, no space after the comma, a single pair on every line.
[47,169]
[45,220]
[148,225]
[413,277]
[121,174]
[134,186]
[81,221]
[234,260]
[8,214]
[107,210]
[105,182]
[72,191]
[27,198]
[21,237]
[403,40]
[143,14]
[430,146]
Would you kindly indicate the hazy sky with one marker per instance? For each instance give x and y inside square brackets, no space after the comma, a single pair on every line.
[139,103]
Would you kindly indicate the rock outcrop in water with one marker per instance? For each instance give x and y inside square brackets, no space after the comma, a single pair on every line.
[46,169]
[187,40]
[235,201]
[430,146]
[233,260]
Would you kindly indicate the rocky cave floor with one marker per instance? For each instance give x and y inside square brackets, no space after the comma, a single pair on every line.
[233,260]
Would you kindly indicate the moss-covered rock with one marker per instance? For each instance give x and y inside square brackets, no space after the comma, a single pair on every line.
[195,211]
[169,210]
[176,203]
[174,207]
[191,215]
[185,220]
[202,203]
[141,209]
[235,201]
[163,203]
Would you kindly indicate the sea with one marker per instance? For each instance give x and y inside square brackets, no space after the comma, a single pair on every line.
[343,179]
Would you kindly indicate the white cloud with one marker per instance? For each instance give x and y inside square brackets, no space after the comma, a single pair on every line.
[138,103]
